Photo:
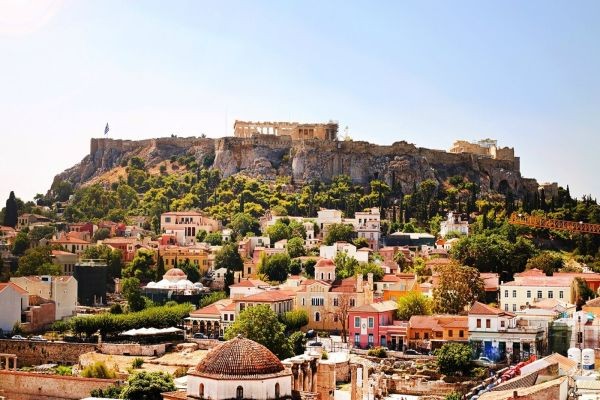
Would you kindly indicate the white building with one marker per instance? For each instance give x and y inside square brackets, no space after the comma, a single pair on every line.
[368,225]
[184,225]
[454,223]
[498,334]
[13,302]
[350,249]
[60,289]
[530,287]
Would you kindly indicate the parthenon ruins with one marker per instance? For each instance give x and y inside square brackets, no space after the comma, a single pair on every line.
[295,130]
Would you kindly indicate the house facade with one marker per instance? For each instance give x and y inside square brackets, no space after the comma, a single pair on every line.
[62,290]
[184,225]
[498,334]
[533,286]
[14,301]
[373,325]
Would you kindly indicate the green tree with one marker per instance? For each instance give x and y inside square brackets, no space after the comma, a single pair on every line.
[279,231]
[21,243]
[191,270]
[360,242]
[10,213]
[454,358]
[339,233]
[295,267]
[214,239]
[276,267]
[458,286]
[260,324]
[141,266]
[298,342]
[40,232]
[370,268]
[295,247]
[413,303]
[201,235]
[37,261]
[547,261]
[133,294]
[345,266]
[160,269]
[243,223]
[229,257]
[148,386]
[101,234]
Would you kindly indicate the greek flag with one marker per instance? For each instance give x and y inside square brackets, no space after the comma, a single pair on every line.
[106,129]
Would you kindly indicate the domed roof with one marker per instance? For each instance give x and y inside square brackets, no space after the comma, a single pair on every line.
[174,275]
[239,357]
[325,262]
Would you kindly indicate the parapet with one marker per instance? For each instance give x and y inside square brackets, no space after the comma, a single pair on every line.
[295,130]
[484,148]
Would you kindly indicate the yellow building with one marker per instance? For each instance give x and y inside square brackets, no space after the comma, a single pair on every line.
[197,255]
[429,332]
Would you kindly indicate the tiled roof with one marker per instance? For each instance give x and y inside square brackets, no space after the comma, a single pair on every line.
[62,253]
[347,285]
[183,213]
[438,322]
[482,309]
[593,302]
[325,262]
[518,382]
[18,288]
[543,281]
[522,392]
[69,240]
[390,278]
[249,283]
[383,306]
[266,296]
[212,309]
[239,358]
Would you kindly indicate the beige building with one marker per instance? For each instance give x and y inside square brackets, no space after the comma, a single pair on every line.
[184,225]
[65,260]
[30,220]
[60,289]
[295,130]
[327,302]
[531,287]
[71,244]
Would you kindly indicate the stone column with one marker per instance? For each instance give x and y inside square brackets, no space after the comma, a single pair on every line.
[300,380]
[314,366]
[353,383]
[307,377]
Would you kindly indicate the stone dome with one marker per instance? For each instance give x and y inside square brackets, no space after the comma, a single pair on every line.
[239,357]
[175,274]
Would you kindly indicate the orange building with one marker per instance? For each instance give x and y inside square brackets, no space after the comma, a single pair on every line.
[430,332]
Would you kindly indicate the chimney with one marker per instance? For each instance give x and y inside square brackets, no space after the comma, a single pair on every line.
[359,283]
[370,280]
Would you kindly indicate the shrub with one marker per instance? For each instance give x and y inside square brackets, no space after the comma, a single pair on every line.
[324,355]
[295,319]
[454,358]
[64,370]
[98,370]
[137,362]
[377,352]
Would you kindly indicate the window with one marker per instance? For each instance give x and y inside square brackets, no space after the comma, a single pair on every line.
[506,293]
[201,390]
[371,322]
[242,306]
[450,333]
[317,316]
[506,307]
[335,302]
[539,294]
[352,302]
[514,307]
[488,323]
[239,393]
[417,335]
[426,335]
[356,339]
[478,322]
[529,294]
[317,301]
[561,294]
[226,317]
[514,293]
[370,340]
[277,390]
[550,294]
[502,322]
[303,301]
[461,334]
[357,322]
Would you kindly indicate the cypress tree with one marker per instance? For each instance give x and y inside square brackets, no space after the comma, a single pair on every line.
[10,216]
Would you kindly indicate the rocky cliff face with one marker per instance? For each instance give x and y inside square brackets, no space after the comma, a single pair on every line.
[267,157]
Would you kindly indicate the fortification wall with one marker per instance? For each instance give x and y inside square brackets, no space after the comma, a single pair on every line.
[16,385]
[34,353]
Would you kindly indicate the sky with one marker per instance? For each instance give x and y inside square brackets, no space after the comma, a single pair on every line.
[427,72]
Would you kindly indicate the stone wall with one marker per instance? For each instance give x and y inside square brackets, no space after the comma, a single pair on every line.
[16,385]
[133,349]
[34,353]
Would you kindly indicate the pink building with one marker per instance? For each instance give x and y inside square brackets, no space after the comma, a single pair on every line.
[373,325]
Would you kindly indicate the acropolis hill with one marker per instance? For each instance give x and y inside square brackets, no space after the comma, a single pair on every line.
[311,151]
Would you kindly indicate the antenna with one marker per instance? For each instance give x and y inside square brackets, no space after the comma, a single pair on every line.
[346,136]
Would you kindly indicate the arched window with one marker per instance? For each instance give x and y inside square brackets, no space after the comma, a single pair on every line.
[239,393]
[277,390]
[317,316]
[201,390]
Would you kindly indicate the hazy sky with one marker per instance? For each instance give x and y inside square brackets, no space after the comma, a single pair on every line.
[428,72]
